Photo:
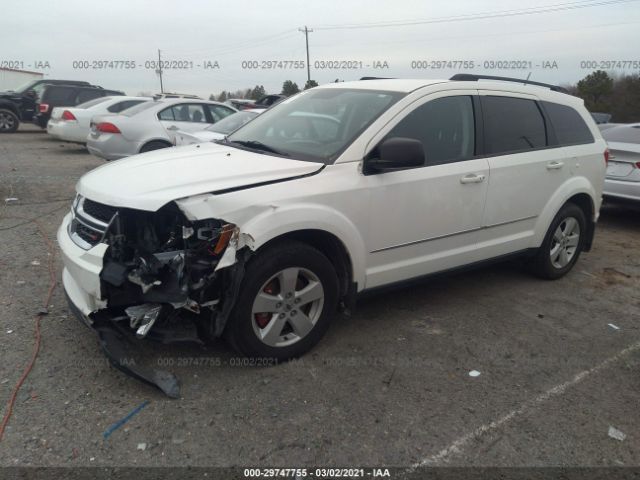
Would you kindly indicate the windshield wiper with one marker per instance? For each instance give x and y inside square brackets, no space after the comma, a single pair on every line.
[256,145]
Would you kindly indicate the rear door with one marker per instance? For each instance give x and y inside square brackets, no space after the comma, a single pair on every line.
[526,170]
[188,117]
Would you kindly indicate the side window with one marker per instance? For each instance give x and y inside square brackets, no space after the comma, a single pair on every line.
[218,112]
[86,95]
[568,125]
[58,95]
[445,127]
[120,106]
[512,125]
[166,114]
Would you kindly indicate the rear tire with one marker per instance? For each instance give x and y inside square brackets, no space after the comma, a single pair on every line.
[562,244]
[9,121]
[288,296]
[155,145]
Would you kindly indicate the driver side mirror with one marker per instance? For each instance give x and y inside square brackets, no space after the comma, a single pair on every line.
[397,153]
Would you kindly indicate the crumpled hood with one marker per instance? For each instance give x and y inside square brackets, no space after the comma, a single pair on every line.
[150,180]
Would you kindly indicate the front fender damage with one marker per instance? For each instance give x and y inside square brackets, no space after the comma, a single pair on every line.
[168,278]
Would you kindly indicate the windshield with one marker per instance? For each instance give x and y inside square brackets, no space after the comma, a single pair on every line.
[232,122]
[316,125]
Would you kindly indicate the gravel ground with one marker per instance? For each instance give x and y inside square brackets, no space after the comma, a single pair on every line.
[387,386]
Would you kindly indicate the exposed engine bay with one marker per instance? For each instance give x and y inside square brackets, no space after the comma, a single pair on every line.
[164,277]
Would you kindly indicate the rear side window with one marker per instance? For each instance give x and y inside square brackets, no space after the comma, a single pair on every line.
[59,95]
[445,127]
[568,125]
[512,125]
[86,95]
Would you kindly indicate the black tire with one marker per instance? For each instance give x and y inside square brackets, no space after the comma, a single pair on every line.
[154,145]
[541,264]
[9,121]
[240,332]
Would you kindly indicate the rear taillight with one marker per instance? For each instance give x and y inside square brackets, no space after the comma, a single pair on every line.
[67,115]
[43,108]
[107,127]
[606,156]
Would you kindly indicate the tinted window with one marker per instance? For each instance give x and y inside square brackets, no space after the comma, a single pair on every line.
[444,126]
[568,124]
[92,103]
[184,113]
[86,95]
[119,106]
[512,125]
[623,133]
[218,112]
[58,95]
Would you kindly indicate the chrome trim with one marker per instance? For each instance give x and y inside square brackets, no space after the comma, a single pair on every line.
[439,237]
[79,216]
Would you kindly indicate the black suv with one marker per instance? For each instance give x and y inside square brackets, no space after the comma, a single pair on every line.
[66,96]
[20,105]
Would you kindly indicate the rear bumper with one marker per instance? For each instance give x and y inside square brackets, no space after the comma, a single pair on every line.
[67,131]
[111,146]
[621,189]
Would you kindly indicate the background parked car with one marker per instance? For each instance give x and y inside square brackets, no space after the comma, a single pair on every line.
[266,101]
[601,117]
[218,130]
[623,168]
[72,124]
[160,96]
[239,103]
[20,105]
[66,96]
[151,126]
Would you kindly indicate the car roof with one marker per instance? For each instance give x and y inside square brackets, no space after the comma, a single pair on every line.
[386,84]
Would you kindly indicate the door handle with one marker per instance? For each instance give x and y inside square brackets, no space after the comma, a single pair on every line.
[472,178]
[172,128]
[554,165]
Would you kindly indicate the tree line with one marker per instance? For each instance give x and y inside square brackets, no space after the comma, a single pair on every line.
[289,88]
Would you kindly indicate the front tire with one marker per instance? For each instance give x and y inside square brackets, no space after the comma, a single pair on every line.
[288,296]
[9,121]
[562,244]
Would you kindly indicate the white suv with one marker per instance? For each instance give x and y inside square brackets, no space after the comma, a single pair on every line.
[262,237]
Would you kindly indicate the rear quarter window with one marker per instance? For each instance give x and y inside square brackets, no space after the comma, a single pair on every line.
[568,125]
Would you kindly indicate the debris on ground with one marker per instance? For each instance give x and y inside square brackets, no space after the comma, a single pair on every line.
[615,327]
[9,331]
[124,420]
[20,282]
[616,434]
[10,199]
[474,373]
[142,446]
[35,262]
[43,311]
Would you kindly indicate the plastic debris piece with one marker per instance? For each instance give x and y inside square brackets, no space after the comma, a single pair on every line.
[10,199]
[35,262]
[20,282]
[43,311]
[615,327]
[124,420]
[474,373]
[616,434]
[9,331]
[142,446]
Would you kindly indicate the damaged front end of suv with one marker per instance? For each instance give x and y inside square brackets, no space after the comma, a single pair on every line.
[163,277]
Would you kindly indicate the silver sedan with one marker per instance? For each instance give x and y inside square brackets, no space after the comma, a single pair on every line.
[623,169]
[151,126]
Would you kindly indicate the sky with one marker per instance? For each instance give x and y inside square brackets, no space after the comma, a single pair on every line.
[233,44]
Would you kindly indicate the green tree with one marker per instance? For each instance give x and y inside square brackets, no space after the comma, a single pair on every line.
[258,92]
[310,84]
[223,96]
[594,88]
[289,88]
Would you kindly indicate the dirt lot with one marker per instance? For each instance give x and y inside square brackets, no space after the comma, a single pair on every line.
[388,386]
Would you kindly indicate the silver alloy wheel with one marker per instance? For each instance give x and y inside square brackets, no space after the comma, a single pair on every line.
[7,122]
[287,307]
[565,242]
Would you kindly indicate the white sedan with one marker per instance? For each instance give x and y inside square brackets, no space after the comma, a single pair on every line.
[151,126]
[219,130]
[623,168]
[71,124]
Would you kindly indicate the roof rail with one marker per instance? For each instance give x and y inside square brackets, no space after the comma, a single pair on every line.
[470,77]
[377,78]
